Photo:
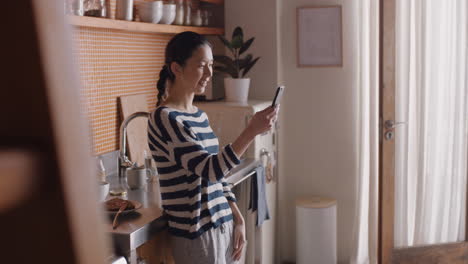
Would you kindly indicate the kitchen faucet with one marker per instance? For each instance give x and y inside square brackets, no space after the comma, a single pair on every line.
[124,161]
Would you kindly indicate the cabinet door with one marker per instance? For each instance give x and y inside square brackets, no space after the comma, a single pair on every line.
[227,122]
[157,250]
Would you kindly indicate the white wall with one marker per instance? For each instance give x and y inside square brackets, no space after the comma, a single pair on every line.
[318,143]
[317,146]
[257,19]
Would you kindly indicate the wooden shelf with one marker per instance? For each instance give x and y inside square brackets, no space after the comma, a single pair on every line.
[94,22]
[216,2]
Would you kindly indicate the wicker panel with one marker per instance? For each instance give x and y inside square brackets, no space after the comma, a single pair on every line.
[112,64]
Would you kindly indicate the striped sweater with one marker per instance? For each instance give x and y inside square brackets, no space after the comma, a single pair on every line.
[191,171]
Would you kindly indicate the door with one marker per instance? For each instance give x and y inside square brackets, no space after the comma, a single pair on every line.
[423,154]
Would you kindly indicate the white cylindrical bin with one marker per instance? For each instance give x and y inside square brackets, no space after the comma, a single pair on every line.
[316,230]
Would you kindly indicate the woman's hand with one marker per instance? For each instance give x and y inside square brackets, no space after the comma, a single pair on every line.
[263,120]
[239,240]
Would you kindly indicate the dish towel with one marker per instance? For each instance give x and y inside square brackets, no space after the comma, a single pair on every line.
[258,201]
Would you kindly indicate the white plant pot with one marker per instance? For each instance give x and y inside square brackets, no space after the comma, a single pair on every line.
[237,90]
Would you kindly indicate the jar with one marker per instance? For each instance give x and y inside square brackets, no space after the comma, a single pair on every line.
[124,10]
[179,19]
[196,18]
[206,14]
[95,8]
[188,13]
[74,7]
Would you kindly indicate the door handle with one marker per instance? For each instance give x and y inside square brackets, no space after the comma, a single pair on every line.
[390,124]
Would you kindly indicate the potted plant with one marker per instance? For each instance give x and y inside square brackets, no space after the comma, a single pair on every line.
[236,86]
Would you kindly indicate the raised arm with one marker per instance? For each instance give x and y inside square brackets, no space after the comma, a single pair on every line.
[180,144]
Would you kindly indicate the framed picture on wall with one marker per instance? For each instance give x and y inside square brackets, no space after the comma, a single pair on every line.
[319,36]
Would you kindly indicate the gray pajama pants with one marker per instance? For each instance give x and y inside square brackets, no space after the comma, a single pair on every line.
[215,246]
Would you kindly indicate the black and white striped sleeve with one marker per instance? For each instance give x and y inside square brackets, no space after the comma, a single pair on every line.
[187,151]
[227,191]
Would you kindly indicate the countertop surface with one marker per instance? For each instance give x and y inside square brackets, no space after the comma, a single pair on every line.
[149,211]
[136,228]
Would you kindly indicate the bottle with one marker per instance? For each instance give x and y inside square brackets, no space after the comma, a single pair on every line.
[179,19]
[149,165]
[205,17]
[188,13]
[197,18]
[101,171]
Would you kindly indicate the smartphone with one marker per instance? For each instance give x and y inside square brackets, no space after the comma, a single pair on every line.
[278,95]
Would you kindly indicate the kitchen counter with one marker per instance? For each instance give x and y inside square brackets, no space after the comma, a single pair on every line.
[138,227]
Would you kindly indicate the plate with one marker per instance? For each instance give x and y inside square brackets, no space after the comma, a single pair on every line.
[137,205]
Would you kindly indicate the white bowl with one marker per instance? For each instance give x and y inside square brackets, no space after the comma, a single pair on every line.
[151,4]
[169,14]
[152,16]
[103,190]
[150,11]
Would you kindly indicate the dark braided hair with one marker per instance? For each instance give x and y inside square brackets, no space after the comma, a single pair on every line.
[179,49]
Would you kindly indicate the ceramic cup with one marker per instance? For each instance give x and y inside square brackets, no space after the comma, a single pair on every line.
[137,177]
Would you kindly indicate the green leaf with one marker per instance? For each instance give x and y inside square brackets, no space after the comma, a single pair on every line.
[223,59]
[237,33]
[251,64]
[236,42]
[221,69]
[227,70]
[245,61]
[246,45]
[228,63]
[226,42]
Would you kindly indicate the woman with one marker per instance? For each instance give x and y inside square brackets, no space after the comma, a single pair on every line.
[199,204]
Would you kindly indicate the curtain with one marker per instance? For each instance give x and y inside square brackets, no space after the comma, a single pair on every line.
[431,96]
[364,244]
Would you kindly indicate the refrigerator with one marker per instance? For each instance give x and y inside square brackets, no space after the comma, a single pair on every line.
[228,120]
